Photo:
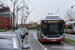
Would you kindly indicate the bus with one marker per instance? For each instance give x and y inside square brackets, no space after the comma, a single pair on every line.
[51,29]
[70,27]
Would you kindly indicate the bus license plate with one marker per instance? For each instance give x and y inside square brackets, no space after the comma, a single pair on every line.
[53,40]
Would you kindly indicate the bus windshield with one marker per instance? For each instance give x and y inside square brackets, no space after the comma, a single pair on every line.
[52,28]
[74,24]
[55,28]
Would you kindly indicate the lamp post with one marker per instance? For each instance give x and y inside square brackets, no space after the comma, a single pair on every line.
[72,6]
[28,15]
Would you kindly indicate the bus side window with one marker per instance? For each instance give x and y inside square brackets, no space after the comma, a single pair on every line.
[70,26]
[44,26]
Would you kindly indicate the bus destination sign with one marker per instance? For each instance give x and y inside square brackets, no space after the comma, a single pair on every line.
[53,21]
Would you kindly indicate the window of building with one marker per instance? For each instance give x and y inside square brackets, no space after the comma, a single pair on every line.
[0,28]
[0,19]
[0,23]
[8,19]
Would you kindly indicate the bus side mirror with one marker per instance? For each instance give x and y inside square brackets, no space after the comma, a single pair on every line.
[64,25]
[41,23]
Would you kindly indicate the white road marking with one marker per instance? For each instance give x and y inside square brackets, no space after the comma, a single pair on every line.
[38,41]
[29,42]
[36,38]
[40,44]
[31,49]
[45,48]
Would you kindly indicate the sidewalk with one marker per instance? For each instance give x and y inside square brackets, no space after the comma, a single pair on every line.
[26,41]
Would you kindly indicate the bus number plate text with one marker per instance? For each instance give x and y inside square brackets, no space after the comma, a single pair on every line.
[53,40]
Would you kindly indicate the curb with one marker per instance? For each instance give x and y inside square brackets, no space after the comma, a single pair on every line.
[69,43]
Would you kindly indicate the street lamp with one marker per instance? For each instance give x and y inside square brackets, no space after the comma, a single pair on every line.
[72,6]
[28,14]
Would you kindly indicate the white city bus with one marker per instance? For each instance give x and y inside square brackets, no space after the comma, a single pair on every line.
[50,28]
[70,27]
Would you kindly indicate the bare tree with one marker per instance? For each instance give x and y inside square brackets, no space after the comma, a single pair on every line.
[16,10]
[70,15]
[16,7]
[22,17]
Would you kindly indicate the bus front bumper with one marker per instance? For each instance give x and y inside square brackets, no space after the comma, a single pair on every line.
[53,40]
[46,39]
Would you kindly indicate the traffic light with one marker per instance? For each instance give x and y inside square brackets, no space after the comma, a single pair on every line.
[14,22]
[25,24]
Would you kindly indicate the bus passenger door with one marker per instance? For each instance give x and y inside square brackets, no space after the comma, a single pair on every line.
[40,34]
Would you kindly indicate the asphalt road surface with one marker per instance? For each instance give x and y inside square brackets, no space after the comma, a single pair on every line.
[36,45]
[70,36]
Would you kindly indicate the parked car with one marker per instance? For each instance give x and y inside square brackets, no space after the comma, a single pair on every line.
[11,42]
[21,33]
[25,30]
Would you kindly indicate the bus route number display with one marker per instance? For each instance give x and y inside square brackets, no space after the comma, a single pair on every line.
[53,21]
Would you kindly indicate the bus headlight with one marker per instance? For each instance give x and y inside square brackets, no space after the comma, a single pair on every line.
[44,37]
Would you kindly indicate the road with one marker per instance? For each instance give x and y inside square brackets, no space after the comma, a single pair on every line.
[36,45]
[70,36]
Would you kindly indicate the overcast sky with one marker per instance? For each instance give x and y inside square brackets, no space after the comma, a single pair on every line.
[47,6]
[43,7]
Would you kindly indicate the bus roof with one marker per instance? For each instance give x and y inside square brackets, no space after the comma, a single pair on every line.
[52,17]
[70,22]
